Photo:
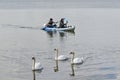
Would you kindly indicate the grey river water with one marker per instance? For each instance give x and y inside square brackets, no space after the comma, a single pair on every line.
[96,37]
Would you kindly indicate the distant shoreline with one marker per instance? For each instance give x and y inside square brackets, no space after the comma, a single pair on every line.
[60,4]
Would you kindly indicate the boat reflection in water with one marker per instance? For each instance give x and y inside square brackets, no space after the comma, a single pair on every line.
[61,33]
[51,33]
[64,33]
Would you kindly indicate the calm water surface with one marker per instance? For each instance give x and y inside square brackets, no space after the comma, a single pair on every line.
[96,37]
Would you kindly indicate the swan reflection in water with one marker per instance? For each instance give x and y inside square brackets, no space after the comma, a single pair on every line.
[34,77]
[34,74]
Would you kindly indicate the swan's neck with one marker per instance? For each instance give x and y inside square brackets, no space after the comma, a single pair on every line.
[56,66]
[33,65]
[72,57]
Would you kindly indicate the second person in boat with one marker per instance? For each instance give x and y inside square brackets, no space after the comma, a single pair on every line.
[62,23]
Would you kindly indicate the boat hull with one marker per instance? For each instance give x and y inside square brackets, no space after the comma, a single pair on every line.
[70,28]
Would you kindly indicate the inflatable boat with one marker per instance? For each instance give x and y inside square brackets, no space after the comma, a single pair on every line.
[68,28]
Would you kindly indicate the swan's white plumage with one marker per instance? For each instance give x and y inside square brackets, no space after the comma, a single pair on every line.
[38,66]
[78,60]
[62,58]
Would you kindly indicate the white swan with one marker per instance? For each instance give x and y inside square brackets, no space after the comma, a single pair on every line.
[58,58]
[36,66]
[76,60]
[61,57]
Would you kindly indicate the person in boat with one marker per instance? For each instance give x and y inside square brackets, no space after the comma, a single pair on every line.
[62,23]
[51,23]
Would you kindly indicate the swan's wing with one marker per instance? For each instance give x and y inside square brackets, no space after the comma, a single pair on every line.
[38,66]
[78,61]
[62,57]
